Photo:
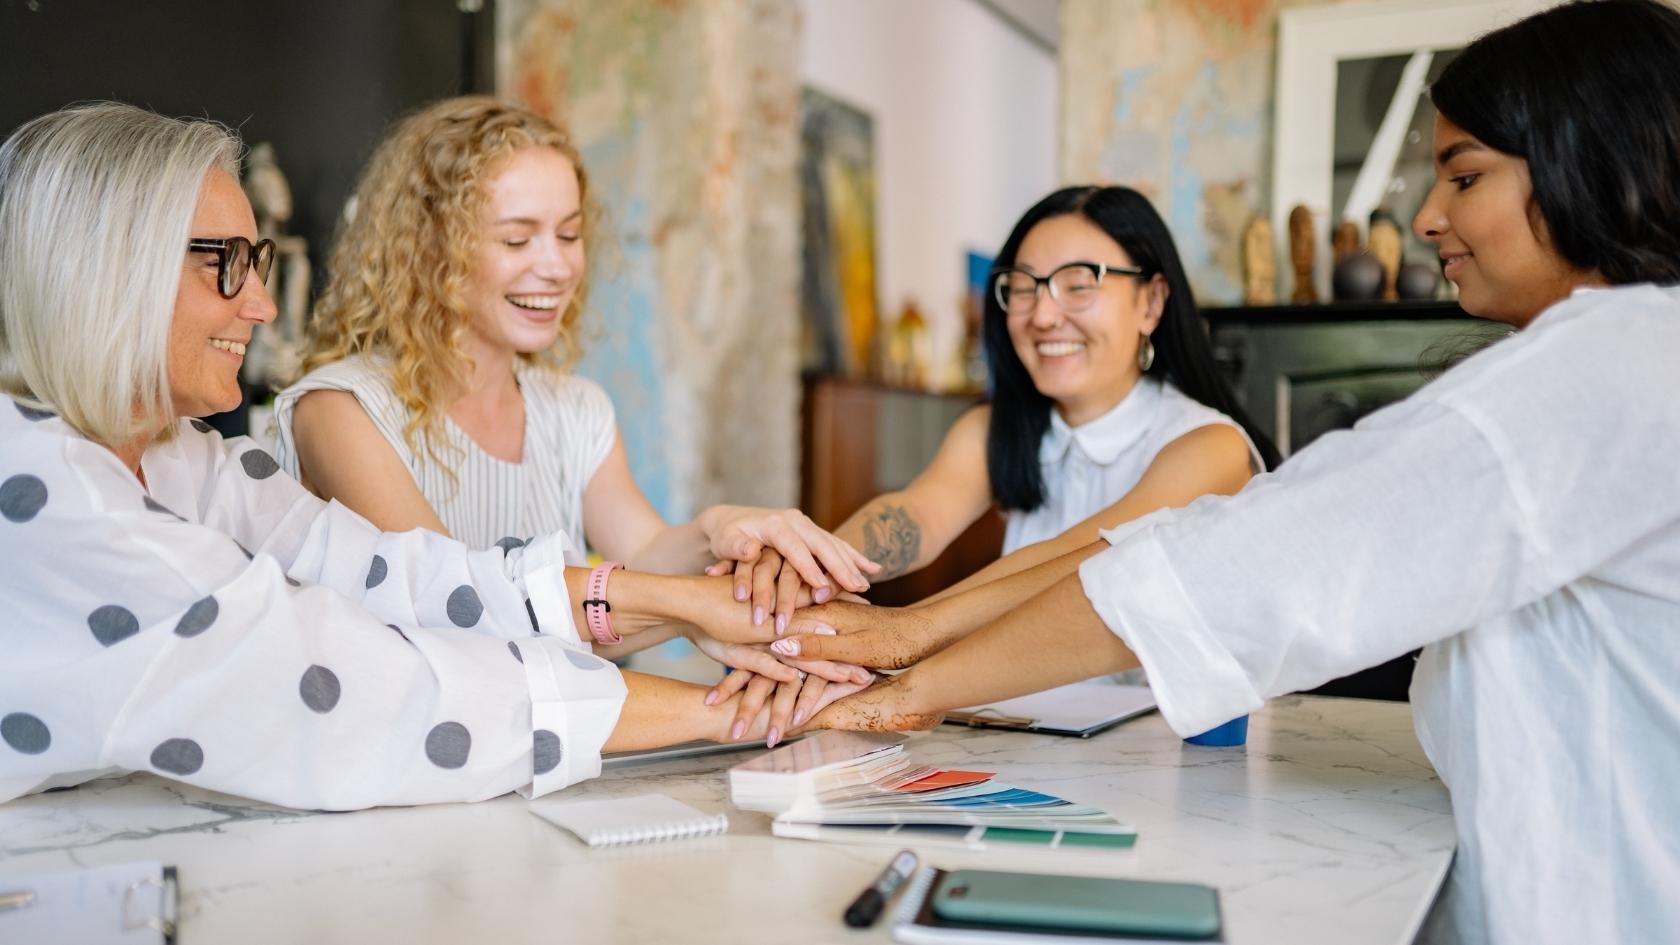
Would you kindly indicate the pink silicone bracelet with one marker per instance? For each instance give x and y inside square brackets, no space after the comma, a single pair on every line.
[596,611]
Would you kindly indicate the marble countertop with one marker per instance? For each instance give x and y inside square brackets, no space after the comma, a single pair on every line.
[1329,827]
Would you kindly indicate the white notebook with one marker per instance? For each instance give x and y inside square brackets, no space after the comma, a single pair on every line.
[641,819]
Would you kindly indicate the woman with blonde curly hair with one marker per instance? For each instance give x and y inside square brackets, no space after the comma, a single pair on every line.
[437,393]
[176,604]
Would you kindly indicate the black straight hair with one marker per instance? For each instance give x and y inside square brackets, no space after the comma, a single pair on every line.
[1183,355]
[1588,93]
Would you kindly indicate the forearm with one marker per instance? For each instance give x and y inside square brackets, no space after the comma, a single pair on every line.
[638,642]
[888,532]
[1015,562]
[678,549]
[1052,639]
[659,711]
[960,614]
[659,606]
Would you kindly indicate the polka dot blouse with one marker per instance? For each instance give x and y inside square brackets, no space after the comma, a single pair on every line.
[228,629]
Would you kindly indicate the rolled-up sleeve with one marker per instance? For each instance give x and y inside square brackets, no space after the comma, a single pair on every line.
[1373,542]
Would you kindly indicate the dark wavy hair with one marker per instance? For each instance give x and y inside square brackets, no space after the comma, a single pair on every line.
[1021,413]
[1588,94]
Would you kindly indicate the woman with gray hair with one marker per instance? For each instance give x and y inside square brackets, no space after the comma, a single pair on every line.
[176,604]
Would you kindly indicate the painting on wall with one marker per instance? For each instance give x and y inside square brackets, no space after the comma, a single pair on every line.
[837,192]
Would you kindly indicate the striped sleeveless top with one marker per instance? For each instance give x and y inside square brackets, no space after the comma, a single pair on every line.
[569,429]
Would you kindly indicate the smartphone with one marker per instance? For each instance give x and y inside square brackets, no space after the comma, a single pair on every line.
[1077,903]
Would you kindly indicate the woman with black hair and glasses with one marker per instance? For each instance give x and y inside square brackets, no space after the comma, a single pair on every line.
[1106,401]
[1106,407]
[1519,518]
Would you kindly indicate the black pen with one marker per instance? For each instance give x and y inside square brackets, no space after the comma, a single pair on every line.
[866,908]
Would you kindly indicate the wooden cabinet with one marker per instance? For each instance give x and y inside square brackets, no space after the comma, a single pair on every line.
[860,439]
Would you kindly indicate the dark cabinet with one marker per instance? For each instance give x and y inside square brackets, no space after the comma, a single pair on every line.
[862,438]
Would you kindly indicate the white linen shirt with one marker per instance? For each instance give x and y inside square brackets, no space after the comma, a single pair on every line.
[230,630]
[1521,517]
[1092,466]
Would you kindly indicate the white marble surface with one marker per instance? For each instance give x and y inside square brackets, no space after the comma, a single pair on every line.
[1329,827]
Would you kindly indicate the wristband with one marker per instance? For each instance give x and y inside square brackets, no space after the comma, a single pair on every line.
[597,613]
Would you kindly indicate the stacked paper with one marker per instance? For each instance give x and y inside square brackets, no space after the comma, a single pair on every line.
[863,787]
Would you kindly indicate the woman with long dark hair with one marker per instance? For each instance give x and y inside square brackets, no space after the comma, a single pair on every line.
[1106,401]
[1519,518]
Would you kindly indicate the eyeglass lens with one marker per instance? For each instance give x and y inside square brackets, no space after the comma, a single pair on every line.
[236,261]
[1072,287]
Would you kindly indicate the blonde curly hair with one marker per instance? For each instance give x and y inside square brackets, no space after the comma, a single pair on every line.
[401,264]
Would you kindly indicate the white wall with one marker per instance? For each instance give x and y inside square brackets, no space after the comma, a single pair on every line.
[965,135]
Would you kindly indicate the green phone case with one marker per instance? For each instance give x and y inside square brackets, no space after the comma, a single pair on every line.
[1084,903]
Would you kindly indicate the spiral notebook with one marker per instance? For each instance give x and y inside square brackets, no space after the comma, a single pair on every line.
[645,818]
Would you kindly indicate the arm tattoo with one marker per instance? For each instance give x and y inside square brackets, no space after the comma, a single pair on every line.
[892,539]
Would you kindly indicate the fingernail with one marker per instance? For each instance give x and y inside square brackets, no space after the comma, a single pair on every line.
[822,594]
[758,616]
[711,697]
[824,630]
[781,624]
[739,729]
[798,717]
[865,677]
[740,593]
[788,647]
[775,736]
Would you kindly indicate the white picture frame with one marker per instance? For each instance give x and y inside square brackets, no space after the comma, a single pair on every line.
[1311,41]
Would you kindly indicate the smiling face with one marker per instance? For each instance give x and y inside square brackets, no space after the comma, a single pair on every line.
[1085,361]
[1481,216]
[531,260]
[208,334]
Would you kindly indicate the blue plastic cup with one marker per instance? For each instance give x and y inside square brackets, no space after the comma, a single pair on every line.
[1232,733]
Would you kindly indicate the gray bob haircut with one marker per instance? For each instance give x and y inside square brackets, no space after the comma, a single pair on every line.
[96,207]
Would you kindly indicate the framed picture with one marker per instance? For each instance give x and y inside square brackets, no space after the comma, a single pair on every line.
[1322,53]
[837,194]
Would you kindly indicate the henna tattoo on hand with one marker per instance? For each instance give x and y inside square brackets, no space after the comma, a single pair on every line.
[892,539]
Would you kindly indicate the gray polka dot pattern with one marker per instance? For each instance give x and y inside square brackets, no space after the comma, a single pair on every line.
[464,607]
[22,497]
[399,632]
[376,572]
[25,732]
[545,751]
[447,744]
[33,413]
[584,660]
[532,612]
[508,544]
[178,756]
[198,618]
[319,689]
[201,426]
[258,464]
[293,581]
[514,649]
[112,624]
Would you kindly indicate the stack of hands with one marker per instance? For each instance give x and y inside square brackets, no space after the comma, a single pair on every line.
[783,611]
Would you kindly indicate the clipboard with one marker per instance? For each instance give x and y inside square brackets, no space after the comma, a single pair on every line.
[1079,710]
[130,904]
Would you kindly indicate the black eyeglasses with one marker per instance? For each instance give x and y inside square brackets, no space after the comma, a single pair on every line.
[235,257]
[1072,285]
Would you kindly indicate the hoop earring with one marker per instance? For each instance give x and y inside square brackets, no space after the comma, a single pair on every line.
[1146,355]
